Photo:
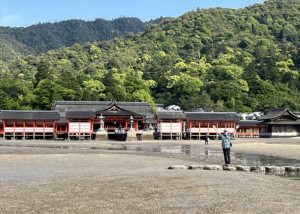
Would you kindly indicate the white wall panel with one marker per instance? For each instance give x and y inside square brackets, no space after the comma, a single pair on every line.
[79,127]
[85,127]
[29,129]
[8,129]
[169,127]
[74,127]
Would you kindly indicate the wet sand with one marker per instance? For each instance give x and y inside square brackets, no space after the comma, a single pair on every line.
[103,177]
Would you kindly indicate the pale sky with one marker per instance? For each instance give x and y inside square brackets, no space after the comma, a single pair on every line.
[23,13]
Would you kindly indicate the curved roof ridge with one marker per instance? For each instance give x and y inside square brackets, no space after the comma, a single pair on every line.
[210,112]
[278,112]
[35,111]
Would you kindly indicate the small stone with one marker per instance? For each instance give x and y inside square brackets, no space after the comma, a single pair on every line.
[178,167]
[193,167]
[243,168]
[297,169]
[229,168]
[289,169]
[257,169]
[212,167]
[274,169]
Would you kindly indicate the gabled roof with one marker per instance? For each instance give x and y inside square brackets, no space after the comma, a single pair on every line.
[164,114]
[286,122]
[120,113]
[115,110]
[80,114]
[279,114]
[212,116]
[28,115]
[242,123]
[141,108]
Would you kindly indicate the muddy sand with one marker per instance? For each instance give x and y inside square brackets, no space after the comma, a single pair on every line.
[133,177]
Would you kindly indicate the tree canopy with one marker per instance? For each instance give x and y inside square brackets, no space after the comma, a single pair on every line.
[217,59]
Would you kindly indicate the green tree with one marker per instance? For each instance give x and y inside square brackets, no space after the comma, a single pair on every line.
[93,90]
[43,95]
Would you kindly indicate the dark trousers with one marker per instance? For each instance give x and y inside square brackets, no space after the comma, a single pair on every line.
[226,153]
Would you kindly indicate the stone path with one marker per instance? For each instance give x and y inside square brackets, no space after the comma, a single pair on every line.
[262,169]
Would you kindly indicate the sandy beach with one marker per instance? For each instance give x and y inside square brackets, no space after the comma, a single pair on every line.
[133,177]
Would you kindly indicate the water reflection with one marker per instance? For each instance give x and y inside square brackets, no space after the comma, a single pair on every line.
[186,149]
[194,152]
[215,156]
[263,160]
[200,153]
[171,149]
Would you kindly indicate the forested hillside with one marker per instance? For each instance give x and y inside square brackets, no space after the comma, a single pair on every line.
[218,59]
[47,36]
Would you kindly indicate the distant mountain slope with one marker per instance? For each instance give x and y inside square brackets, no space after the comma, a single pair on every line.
[48,36]
[9,48]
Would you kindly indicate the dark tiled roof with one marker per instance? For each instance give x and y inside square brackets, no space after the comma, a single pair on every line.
[291,122]
[142,108]
[277,113]
[242,123]
[29,115]
[120,113]
[62,106]
[163,114]
[62,120]
[80,114]
[212,116]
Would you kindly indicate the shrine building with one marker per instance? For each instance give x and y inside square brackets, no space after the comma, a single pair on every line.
[87,120]
[279,122]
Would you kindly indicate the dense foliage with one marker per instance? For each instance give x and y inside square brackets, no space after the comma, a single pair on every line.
[47,36]
[218,59]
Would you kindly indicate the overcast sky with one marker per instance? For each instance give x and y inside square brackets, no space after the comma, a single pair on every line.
[22,13]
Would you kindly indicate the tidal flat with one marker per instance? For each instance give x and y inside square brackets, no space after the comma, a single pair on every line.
[133,177]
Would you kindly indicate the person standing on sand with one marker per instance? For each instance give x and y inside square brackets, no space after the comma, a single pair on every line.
[226,144]
[206,139]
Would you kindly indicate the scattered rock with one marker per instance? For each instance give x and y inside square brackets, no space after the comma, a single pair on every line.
[264,169]
[212,167]
[243,168]
[229,168]
[289,169]
[257,169]
[178,167]
[274,169]
[196,167]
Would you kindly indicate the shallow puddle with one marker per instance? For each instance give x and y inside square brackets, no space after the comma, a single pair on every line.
[215,156]
[263,160]
[194,151]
